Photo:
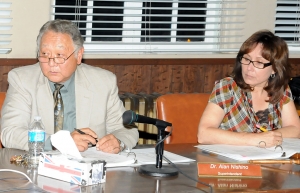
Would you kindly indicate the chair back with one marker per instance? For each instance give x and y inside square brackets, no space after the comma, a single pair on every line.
[184,112]
[2,97]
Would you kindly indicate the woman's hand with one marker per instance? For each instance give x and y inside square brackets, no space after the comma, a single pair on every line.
[269,139]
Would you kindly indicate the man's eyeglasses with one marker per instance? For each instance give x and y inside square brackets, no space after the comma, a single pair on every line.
[57,60]
[256,64]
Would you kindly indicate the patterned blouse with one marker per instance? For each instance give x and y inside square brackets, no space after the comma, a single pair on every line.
[239,114]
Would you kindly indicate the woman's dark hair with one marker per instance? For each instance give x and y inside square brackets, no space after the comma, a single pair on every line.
[274,50]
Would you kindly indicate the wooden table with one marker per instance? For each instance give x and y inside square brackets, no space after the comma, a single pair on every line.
[276,178]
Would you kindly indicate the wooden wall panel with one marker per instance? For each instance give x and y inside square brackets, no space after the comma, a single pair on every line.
[190,77]
[154,75]
[296,69]
[160,79]
[143,72]
[3,78]
[177,78]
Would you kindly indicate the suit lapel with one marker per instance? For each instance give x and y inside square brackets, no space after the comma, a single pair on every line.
[84,98]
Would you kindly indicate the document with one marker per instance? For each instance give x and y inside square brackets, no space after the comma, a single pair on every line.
[112,160]
[290,146]
[148,156]
[63,142]
[133,158]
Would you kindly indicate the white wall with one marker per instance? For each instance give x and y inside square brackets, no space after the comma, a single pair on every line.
[29,15]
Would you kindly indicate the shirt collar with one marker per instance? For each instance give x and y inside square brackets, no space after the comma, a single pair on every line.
[66,84]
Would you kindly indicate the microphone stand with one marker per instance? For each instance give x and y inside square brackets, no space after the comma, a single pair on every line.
[157,170]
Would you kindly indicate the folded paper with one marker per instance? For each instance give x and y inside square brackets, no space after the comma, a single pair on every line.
[64,143]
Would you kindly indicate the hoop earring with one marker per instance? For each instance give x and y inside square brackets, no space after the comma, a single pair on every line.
[272,75]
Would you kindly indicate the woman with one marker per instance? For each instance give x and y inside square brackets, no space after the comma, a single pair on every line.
[255,103]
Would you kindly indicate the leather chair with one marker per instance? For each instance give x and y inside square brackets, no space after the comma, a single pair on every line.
[2,97]
[184,112]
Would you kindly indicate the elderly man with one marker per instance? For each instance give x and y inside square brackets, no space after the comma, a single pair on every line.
[87,96]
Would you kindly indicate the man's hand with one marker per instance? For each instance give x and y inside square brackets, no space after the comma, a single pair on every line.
[82,140]
[109,144]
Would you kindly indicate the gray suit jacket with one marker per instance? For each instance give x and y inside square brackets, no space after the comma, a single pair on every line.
[97,105]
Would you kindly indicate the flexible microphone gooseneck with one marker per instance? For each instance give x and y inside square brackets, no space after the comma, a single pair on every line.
[157,170]
[130,117]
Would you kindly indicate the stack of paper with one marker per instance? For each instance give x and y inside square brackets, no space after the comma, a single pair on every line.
[133,158]
[112,160]
[244,153]
[148,156]
[63,142]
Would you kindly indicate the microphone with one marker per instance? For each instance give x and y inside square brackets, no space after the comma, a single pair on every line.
[130,117]
[156,170]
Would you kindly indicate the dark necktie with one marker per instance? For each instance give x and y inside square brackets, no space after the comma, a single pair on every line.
[58,108]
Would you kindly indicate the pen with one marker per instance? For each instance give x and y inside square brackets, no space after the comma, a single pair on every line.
[269,161]
[280,170]
[262,128]
[83,133]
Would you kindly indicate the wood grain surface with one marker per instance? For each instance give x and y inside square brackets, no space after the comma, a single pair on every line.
[154,75]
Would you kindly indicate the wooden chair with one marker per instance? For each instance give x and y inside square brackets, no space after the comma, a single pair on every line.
[2,97]
[184,112]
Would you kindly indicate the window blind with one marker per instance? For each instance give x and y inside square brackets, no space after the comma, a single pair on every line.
[287,22]
[5,27]
[155,26]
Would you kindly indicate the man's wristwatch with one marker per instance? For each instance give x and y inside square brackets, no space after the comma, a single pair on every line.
[122,145]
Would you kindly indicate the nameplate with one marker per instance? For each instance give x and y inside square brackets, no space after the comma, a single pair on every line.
[229,170]
[231,183]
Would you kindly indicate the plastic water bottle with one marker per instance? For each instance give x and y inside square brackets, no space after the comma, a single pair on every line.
[36,141]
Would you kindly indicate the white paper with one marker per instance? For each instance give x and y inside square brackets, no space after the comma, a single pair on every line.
[134,158]
[64,143]
[112,160]
[244,153]
[148,156]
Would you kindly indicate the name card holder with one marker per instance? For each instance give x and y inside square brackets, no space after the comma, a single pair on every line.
[231,183]
[229,170]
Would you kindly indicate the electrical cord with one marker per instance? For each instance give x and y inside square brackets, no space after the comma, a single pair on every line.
[32,188]
[179,170]
[8,170]
[12,189]
[164,138]
[15,188]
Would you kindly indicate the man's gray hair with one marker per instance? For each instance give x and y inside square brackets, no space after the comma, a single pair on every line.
[64,27]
